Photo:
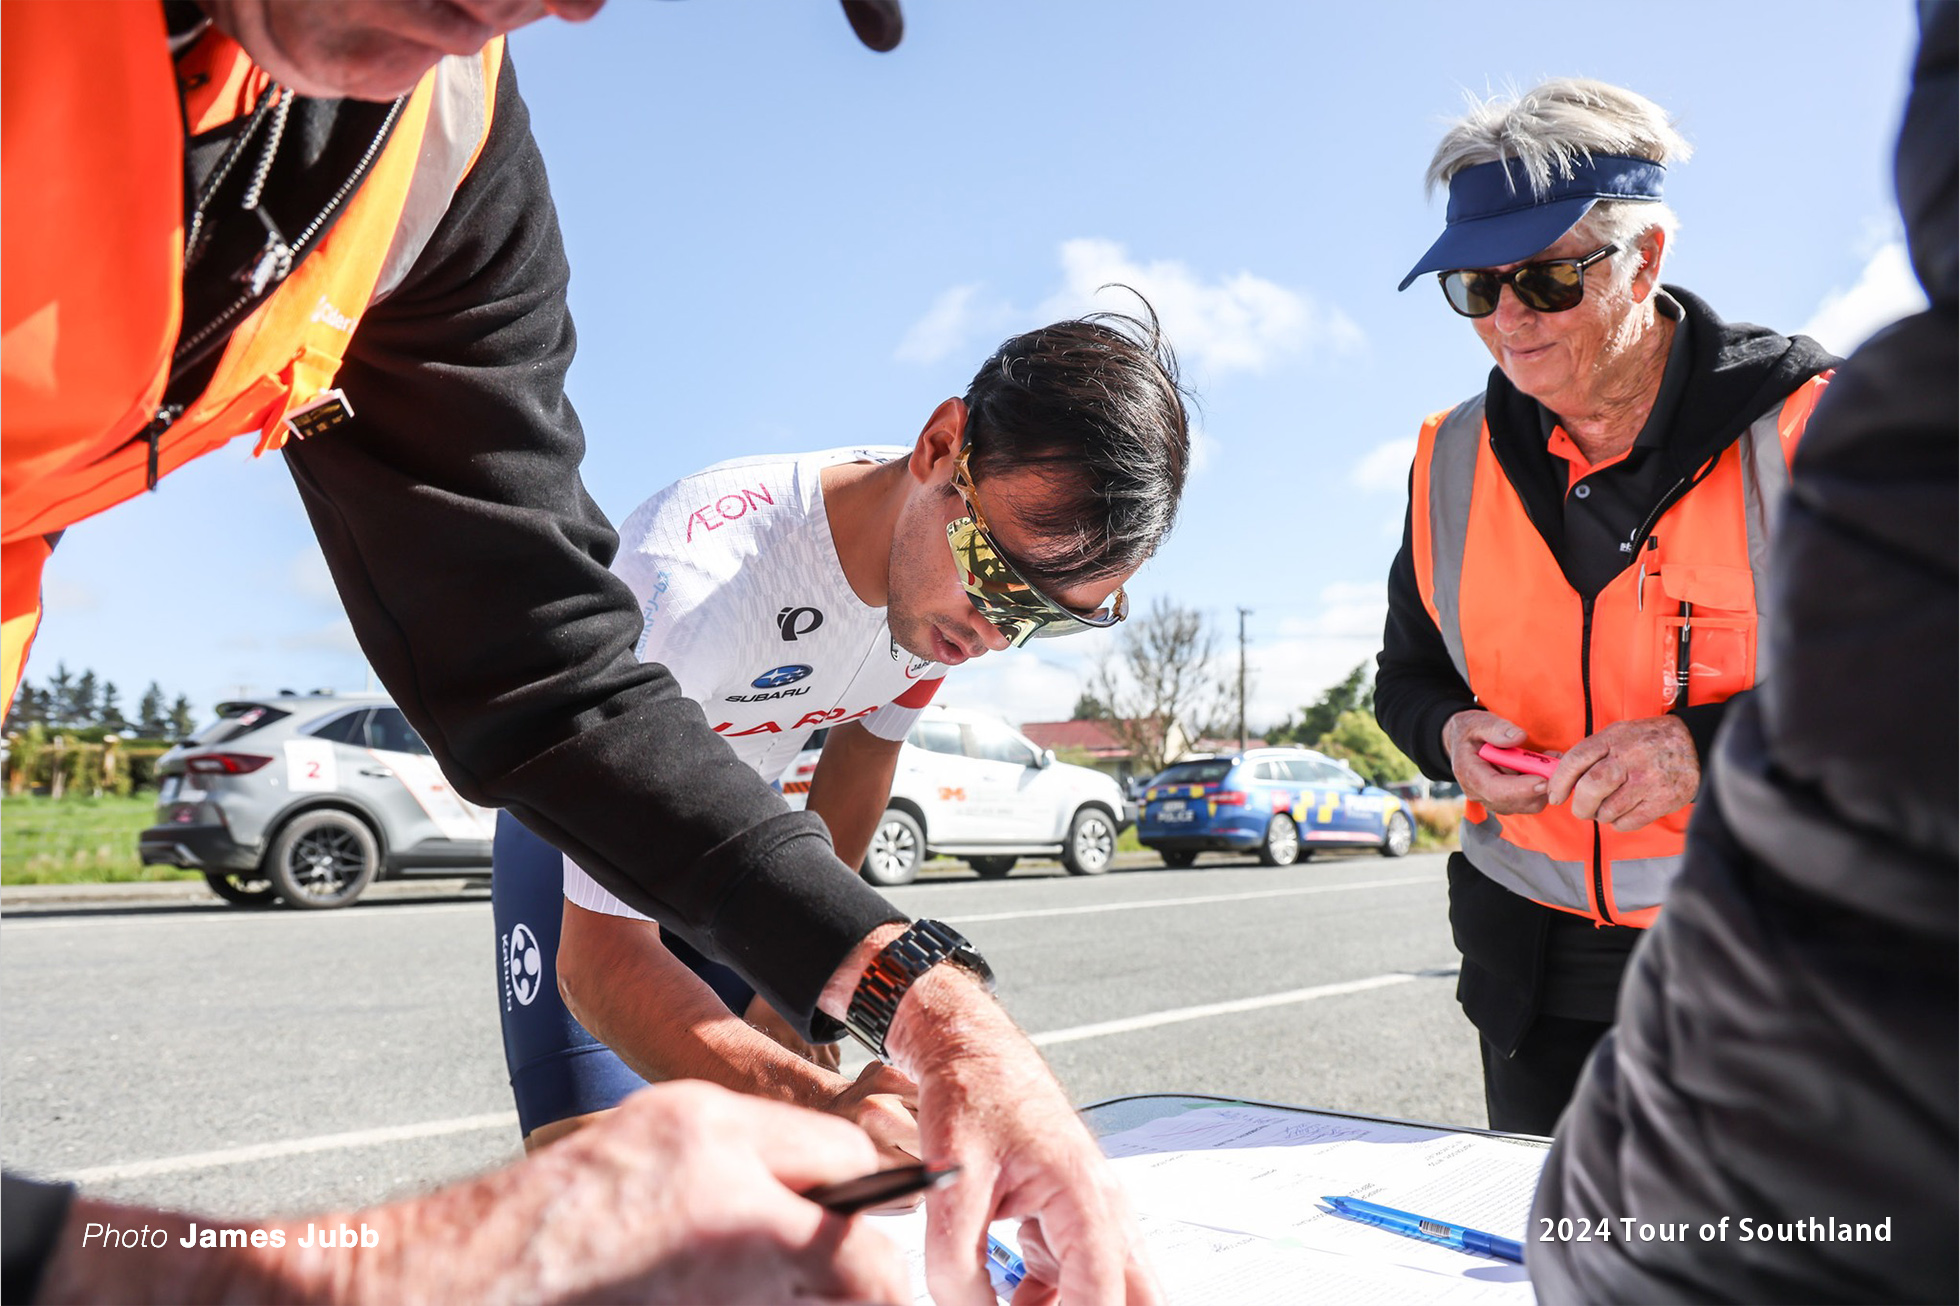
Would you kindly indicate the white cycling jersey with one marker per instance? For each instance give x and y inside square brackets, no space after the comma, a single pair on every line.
[746,603]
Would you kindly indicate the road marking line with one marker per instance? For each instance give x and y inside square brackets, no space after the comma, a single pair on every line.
[1180,1014]
[293,1147]
[1188,902]
[23,921]
[508,1119]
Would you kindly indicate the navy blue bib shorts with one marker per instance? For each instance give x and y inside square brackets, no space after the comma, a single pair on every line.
[557,1069]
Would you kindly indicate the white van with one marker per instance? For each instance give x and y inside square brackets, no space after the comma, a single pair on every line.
[970,785]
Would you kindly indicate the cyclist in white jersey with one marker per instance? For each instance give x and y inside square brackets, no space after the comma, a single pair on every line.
[788,594]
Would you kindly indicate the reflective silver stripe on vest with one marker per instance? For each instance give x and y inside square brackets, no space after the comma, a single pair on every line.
[1641,882]
[449,141]
[1638,882]
[1452,480]
[1765,479]
[1522,871]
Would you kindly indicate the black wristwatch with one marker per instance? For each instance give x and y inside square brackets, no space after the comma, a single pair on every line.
[923,945]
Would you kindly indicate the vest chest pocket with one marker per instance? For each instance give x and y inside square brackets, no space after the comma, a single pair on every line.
[1705,638]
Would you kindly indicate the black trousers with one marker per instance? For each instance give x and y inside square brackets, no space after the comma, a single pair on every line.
[1524,1093]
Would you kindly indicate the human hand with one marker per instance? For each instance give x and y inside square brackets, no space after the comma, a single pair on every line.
[686,1193]
[1629,774]
[766,1018]
[884,1104]
[988,1104]
[1504,792]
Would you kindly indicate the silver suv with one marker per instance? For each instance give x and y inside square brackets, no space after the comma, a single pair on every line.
[309,799]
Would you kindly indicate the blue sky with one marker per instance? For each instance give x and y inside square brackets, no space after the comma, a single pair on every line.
[781,241]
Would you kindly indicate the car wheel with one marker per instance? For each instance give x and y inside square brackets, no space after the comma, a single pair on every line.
[322,859]
[1091,842]
[1401,835]
[1281,846]
[242,890]
[992,868]
[1178,858]
[898,845]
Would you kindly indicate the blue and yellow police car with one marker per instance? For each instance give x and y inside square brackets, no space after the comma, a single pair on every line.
[1281,802]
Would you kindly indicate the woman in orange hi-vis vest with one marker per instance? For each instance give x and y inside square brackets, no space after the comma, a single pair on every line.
[1582,564]
[327,227]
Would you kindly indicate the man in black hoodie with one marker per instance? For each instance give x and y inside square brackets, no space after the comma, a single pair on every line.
[1781,1079]
[1581,570]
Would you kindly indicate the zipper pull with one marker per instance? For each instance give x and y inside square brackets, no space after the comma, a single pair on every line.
[275,260]
[1640,585]
[152,435]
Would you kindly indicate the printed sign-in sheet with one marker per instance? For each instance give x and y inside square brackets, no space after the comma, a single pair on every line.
[1229,1200]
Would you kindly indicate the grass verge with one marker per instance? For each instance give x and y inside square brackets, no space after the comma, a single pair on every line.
[77,840]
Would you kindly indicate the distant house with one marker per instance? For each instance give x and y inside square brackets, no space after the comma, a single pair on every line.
[1097,744]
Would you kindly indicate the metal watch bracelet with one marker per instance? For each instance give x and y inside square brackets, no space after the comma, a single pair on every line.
[898,965]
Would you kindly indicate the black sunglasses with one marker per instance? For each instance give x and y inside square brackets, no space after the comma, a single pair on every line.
[1553,286]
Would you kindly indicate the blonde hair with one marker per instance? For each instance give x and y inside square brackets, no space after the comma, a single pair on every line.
[1548,130]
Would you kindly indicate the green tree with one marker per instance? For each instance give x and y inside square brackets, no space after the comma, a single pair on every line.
[109,715]
[181,723]
[150,720]
[85,704]
[1354,693]
[30,708]
[61,696]
[1363,745]
[1089,708]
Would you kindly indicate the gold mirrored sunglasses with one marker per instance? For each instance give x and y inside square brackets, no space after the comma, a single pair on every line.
[1000,594]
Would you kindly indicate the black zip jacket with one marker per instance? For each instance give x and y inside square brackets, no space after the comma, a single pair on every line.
[1785,1048]
[1735,373]
[473,566]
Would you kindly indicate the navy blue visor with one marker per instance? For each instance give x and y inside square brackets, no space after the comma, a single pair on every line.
[1494,219]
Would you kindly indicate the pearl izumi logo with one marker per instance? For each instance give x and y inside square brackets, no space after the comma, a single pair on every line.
[797,621]
[523,964]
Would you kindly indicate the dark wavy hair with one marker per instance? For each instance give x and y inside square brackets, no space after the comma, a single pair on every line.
[1094,401]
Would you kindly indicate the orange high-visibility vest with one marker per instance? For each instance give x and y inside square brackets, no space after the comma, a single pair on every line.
[92,239]
[1522,639]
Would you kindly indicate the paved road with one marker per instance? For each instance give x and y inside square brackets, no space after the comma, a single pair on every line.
[235,1061]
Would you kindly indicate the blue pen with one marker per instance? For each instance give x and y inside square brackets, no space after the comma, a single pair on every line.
[1437,1231]
[1004,1268]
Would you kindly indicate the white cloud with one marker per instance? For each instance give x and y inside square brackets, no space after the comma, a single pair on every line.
[1385,468]
[1885,292]
[946,326]
[1236,323]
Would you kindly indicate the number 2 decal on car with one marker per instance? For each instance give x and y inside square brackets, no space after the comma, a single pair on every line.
[310,766]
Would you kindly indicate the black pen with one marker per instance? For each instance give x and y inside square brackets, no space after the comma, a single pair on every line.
[850,1196]
[1682,656]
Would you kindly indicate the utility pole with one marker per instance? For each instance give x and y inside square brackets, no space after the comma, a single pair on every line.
[1243,614]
